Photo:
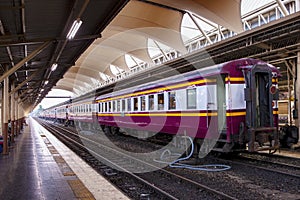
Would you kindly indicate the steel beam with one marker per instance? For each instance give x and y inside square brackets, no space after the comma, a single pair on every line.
[26,59]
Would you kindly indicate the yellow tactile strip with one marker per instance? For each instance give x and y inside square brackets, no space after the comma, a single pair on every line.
[79,189]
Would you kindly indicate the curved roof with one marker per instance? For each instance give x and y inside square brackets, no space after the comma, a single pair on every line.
[33,38]
[138,21]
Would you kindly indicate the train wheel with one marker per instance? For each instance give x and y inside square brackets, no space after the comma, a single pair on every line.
[115,130]
[107,130]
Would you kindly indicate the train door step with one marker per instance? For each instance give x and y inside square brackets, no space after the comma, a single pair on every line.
[222,140]
[218,149]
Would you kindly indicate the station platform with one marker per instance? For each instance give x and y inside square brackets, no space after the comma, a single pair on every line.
[41,167]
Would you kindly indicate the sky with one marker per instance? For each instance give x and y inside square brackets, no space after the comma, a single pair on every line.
[48,102]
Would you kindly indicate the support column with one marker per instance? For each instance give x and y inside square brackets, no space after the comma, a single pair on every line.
[21,118]
[17,118]
[297,106]
[5,111]
[12,115]
[15,114]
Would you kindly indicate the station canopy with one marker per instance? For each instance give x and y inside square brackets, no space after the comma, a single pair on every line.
[140,28]
[38,54]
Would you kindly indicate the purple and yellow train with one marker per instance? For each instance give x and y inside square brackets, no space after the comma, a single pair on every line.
[234,102]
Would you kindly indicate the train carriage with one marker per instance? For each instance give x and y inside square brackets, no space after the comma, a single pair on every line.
[233,101]
[82,112]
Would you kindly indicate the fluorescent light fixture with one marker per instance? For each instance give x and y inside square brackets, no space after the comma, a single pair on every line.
[46,82]
[53,67]
[74,28]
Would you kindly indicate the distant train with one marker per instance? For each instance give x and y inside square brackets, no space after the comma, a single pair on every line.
[234,102]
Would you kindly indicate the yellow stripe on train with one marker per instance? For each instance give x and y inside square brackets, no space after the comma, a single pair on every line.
[228,114]
[158,114]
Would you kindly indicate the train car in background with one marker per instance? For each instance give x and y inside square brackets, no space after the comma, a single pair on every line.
[61,113]
[82,112]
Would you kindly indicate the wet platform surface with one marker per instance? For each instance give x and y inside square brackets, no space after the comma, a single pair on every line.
[41,167]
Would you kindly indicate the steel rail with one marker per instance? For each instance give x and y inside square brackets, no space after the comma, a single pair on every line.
[209,189]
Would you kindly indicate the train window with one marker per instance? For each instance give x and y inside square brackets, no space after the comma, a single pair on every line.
[104,107]
[172,100]
[118,106]
[161,101]
[113,106]
[191,98]
[128,105]
[151,102]
[143,101]
[97,107]
[123,103]
[135,104]
[109,106]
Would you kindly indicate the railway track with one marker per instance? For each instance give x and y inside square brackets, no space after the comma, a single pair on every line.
[114,159]
[271,163]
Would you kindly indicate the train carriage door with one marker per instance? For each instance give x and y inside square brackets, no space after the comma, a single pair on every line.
[263,100]
[259,109]
[221,103]
[258,97]
[216,102]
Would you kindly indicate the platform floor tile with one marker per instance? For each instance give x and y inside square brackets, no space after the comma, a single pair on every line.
[29,172]
[94,182]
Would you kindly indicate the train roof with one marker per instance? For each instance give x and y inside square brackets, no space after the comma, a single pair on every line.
[114,89]
[222,68]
